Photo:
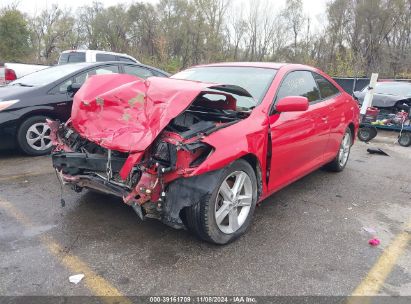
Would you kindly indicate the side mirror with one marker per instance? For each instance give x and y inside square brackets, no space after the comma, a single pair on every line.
[73,88]
[292,104]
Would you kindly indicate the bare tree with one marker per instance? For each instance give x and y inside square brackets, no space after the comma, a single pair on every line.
[293,13]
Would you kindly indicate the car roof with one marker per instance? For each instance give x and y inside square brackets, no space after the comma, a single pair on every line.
[91,64]
[269,65]
[272,65]
[394,82]
[94,51]
[100,52]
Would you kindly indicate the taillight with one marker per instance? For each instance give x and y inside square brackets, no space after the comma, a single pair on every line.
[9,75]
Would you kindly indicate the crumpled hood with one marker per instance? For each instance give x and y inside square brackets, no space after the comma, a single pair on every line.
[125,113]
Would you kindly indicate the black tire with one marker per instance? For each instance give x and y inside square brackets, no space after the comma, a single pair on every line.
[23,132]
[336,165]
[405,139]
[367,133]
[200,218]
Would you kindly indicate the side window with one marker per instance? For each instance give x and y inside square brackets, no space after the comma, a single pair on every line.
[299,83]
[62,88]
[137,71]
[327,89]
[125,59]
[109,69]
[81,78]
[72,57]
[105,57]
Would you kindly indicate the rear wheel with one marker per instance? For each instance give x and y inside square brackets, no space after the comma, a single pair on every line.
[33,136]
[340,161]
[405,139]
[367,133]
[227,212]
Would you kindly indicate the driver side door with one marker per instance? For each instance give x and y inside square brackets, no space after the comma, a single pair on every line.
[298,139]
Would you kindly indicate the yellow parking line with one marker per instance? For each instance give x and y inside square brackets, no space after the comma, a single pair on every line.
[376,277]
[24,175]
[95,283]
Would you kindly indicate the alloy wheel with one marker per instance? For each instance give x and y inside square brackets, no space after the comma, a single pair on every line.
[233,202]
[38,136]
[344,149]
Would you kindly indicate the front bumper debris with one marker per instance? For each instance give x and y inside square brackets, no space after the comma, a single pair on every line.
[74,163]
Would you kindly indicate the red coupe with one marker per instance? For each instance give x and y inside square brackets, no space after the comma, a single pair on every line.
[202,148]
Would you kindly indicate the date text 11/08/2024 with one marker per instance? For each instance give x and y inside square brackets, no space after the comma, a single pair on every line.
[202,299]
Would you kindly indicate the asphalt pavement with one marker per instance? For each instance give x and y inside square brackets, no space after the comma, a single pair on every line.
[307,239]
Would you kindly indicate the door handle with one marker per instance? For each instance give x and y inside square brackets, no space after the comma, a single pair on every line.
[324,119]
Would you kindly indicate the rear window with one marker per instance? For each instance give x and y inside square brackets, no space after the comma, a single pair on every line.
[105,57]
[72,57]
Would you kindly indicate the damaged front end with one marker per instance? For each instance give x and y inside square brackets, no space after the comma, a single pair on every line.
[143,141]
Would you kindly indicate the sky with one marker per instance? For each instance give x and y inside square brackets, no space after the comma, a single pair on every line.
[315,9]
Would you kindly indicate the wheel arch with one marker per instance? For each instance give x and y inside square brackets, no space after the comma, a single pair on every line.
[255,164]
[352,129]
[37,112]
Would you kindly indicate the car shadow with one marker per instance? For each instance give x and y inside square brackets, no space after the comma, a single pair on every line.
[105,218]
[9,153]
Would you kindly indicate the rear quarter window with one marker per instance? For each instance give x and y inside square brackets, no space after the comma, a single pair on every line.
[327,89]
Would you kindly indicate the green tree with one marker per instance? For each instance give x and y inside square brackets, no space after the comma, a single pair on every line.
[14,35]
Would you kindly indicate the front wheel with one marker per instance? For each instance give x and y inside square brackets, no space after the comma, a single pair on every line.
[33,136]
[226,214]
[340,161]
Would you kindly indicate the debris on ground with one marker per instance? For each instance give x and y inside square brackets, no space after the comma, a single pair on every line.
[369,230]
[76,278]
[374,242]
[376,151]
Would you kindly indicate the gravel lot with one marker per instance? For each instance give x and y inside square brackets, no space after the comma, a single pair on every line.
[307,239]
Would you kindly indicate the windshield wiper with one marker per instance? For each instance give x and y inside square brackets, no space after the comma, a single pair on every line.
[23,84]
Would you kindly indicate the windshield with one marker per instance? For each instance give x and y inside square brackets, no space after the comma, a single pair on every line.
[392,88]
[255,80]
[72,57]
[46,76]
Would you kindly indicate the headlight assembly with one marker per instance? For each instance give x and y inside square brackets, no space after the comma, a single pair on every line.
[7,103]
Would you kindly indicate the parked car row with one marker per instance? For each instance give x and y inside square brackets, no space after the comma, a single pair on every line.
[13,71]
[27,102]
